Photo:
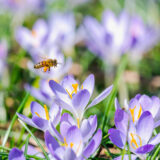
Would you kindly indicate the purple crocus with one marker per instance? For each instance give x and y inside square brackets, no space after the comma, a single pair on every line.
[23,7]
[32,39]
[87,127]
[41,117]
[74,98]
[62,31]
[17,154]
[139,135]
[73,146]
[115,36]
[3,56]
[141,103]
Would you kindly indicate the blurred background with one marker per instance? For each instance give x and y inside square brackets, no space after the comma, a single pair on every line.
[85,36]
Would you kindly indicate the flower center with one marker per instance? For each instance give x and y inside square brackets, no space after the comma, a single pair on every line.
[133,113]
[65,143]
[46,112]
[133,141]
[75,88]
[34,33]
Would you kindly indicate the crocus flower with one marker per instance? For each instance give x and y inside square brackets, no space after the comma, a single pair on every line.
[32,39]
[62,31]
[41,117]
[17,154]
[141,103]
[115,36]
[73,146]
[139,135]
[23,7]
[3,56]
[87,127]
[74,98]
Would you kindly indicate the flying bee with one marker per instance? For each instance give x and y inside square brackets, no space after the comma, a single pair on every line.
[46,64]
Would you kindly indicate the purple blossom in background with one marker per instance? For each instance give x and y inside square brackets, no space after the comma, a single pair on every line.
[58,30]
[115,36]
[41,117]
[3,56]
[23,7]
[17,154]
[62,31]
[33,39]
[73,146]
[75,98]
[139,135]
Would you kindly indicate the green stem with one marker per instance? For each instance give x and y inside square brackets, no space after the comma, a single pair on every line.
[5,148]
[14,119]
[110,101]
[156,153]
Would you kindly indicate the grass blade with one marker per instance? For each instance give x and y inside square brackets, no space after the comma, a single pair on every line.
[29,131]
[14,119]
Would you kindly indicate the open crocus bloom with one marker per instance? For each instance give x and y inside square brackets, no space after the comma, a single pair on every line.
[87,127]
[32,39]
[17,154]
[141,103]
[75,98]
[139,135]
[41,117]
[73,146]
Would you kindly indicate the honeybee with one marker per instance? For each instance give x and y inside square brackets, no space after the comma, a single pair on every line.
[46,64]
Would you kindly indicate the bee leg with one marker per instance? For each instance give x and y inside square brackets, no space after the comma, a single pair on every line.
[45,69]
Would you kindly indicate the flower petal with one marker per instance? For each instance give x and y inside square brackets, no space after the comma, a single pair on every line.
[74,136]
[121,120]
[64,126]
[66,106]
[69,154]
[26,120]
[67,117]
[16,154]
[89,84]
[102,96]
[36,107]
[145,149]
[117,137]
[93,144]
[80,101]
[157,124]
[145,126]
[116,103]
[155,140]
[50,142]
[41,123]
[59,91]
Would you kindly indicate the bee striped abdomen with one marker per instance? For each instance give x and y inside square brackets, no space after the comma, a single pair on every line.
[40,65]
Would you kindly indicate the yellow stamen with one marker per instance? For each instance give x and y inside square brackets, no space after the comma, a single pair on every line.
[37,114]
[69,94]
[82,86]
[78,147]
[71,145]
[46,111]
[132,113]
[133,141]
[75,87]
[78,125]
[140,112]
[65,142]
[34,33]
